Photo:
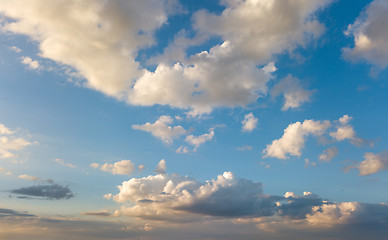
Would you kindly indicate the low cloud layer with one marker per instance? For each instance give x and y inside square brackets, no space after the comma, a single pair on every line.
[50,192]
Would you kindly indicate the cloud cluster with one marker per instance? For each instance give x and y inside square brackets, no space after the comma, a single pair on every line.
[370,33]
[101,40]
[293,139]
[161,129]
[123,167]
[10,142]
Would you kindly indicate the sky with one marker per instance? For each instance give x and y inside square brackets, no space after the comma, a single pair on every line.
[193,119]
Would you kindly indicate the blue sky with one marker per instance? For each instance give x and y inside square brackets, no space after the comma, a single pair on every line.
[167,119]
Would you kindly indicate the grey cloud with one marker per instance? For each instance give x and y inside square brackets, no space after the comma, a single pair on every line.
[98,213]
[52,192]
[12,213]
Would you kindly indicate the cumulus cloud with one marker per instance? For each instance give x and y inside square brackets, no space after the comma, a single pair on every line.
[123,167]
[10,142]
[50,192]
[173,197]
[293,139]
[101,40]
[161,129]
[372,163]
[201,139]
[345,131]
[161,167]
[328,154]
[63,163]
[249,123]
[370,33]
[31,64]
[294,94]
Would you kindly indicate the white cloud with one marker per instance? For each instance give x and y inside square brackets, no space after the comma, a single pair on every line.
[160,129]
[201,139]
[4,130]
[63,163]
[293,139]
[328,154]
[294,94]
[161,167]
[345,131]
[10,143]
[30,178]
[332,214]
[249,123]
[370,32]
[182,149]
[373,163]
[16,49]
[308,163]
[101,39]
[32,64]
[123,167]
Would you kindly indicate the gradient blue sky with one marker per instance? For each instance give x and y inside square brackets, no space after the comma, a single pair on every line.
[167,119]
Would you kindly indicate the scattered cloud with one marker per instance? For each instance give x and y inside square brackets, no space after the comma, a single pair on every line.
[30,178]
[370,36]
[308,163]
[201,139]
[182,149]
[123,167]
[293,139]
[294,94]
[161,130]
[161,167]
[103,213]
[244,148]
[10,142]
[31,64]
[50,192]
[345,131]
[372,163]
[12,213]
[63,163]
[249,123]
[16,49]
[328,154]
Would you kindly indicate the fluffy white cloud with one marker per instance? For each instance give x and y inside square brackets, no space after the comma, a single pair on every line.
[345,131]
[293,139]
[123,167]
[101,39]
[160,129]
[201,139]
[373,163]
[370,32]
[98,38]
[10,143]
[332,214]
[32,64]
[328,154]
[249,123]
[294,94]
